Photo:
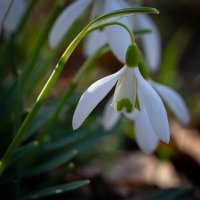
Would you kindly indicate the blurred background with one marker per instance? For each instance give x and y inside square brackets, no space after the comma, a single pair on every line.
[55,162]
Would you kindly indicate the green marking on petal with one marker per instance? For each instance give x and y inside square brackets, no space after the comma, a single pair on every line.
[124,103]
[137,103]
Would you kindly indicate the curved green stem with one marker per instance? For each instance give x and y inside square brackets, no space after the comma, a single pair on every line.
[114,23]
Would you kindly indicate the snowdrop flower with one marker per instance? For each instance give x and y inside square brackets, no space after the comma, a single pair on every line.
[131,91]
[145,134]
[14,15]
[117,38]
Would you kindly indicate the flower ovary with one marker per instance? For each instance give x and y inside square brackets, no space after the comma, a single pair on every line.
[132,56]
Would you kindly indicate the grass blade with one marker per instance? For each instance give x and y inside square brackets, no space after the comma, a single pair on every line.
[59,189]
[52,164]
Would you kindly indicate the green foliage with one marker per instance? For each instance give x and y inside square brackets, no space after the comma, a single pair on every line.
[38,147]
[59,189]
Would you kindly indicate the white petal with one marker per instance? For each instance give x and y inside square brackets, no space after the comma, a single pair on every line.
[154,107]
[125,88]
[92,96]
[145,135]
[65,20]
[174,101]
[118,38]
[94,41]
[14,16]
[151,42]
[110,116]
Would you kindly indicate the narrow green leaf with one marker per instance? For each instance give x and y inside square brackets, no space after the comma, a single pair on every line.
[23,151]
[66,141]
[59,189]
[60,175]
[81,140]
[52,164]
[112,16]
[40,118]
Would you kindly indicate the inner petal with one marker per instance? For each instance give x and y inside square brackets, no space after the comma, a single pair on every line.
[125,92]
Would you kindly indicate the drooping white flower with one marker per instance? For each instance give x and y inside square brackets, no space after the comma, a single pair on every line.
[14,16]
[117,38]
[145,135]
[130,84]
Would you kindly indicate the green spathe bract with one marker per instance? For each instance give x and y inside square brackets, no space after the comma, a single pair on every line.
[124,103]
[112,16]
[132,55]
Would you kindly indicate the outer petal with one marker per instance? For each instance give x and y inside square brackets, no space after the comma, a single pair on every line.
[110,116]
[14,16]
[92,96]
[65,20]
[174,101]
[145,135]
[118,38]
[151,42]
[94,41]
[154,107]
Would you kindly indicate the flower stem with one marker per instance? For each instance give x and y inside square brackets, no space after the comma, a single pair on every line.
[115,23]
[72,86]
